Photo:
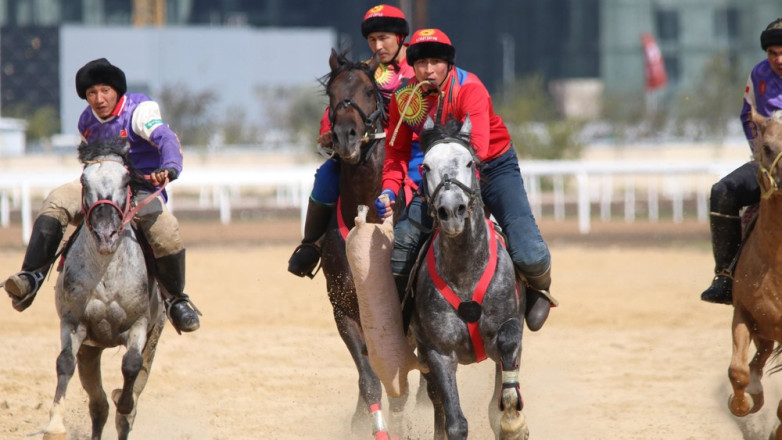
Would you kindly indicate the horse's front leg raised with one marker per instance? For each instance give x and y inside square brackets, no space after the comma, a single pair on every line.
[740,403]
[505,416]
[132,363]
[71,338]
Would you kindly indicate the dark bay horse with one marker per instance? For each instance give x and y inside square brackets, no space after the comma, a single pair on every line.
[357,116]
[757,281]
[105,296]
[468,306]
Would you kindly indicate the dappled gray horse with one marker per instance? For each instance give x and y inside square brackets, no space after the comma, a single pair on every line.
[104,295]
[467,302]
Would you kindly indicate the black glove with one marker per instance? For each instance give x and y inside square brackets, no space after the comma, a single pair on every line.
[172,173]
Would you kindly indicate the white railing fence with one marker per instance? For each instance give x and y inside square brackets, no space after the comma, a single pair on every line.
[557,185]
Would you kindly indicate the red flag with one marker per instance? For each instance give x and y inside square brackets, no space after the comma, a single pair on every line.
[655,66]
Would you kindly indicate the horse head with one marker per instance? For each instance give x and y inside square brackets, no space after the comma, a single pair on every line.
[356,108]
[450,174]
[768,151]
[106,193]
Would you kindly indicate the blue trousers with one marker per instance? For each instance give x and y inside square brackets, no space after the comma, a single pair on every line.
[502,190]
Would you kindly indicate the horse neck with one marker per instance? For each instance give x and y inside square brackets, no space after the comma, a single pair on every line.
[360,184]
[768,222]
[463,258]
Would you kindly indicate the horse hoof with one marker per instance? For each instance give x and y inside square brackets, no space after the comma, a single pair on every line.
[55,436]
[743,410]
[513,426]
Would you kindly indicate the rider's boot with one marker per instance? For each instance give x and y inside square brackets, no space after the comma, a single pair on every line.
[44,241]
[538,299]
[171,275]
[725,242]
[306,256]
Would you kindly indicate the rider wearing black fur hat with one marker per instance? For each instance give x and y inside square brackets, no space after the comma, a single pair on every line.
[155,151]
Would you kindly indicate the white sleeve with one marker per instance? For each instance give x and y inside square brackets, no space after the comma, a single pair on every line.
[146,118]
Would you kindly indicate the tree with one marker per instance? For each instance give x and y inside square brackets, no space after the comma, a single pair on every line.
[187,113]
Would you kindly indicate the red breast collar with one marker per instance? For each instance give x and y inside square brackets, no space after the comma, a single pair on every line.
[480,289]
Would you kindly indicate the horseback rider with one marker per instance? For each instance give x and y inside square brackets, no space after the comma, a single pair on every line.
[154,150]
[385,29]
[441,90]
[740,188]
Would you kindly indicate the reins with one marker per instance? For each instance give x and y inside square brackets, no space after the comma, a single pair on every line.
[127,212]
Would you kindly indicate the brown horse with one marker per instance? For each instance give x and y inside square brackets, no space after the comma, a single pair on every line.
[757,285]
[357,116]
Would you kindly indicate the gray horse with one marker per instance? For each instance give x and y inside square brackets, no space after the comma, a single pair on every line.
[467,303]
[105,296]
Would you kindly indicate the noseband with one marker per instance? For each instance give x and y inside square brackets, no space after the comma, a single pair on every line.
[372,123]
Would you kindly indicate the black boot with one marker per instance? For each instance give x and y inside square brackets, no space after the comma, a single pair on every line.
[538,299]
[725,242]
[44,241]
[306,256]
[171,276]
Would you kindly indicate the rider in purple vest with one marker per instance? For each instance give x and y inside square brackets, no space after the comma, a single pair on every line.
[154,151]
[740,188]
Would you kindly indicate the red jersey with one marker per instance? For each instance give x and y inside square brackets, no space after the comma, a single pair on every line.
[463,93]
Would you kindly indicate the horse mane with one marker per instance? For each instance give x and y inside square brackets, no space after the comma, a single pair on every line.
[346,64]
[118,147]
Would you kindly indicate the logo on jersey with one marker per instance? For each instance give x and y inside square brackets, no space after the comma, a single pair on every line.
[153,122]
[762,88]
[123,133]
[383,75]
[414,106]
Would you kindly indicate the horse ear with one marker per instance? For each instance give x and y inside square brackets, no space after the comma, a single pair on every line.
[466,126]
[429,124]
[374,62]
[333,60]
[758,119]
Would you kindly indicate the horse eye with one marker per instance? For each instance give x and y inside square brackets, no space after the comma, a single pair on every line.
[426,168]
[470,164]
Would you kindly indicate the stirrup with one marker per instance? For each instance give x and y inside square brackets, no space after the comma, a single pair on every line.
[13,289]
[170,303]
[311,269]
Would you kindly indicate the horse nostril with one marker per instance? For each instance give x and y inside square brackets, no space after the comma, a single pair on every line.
[442,214]
[462,209]
[352,132]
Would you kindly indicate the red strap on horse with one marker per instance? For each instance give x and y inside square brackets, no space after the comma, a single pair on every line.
[343,228]
[132,213]
[480,288]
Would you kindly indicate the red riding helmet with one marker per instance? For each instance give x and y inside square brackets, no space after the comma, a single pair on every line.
[384,18]
[430,43]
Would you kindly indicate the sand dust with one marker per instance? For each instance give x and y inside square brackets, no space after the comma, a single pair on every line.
[631,353]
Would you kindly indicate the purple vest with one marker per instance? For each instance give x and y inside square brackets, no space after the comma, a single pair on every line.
[161,151]
[765,88]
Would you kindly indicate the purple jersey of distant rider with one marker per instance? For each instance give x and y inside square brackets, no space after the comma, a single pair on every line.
[763,94]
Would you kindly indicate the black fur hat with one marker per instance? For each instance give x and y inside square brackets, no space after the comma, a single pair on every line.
[430,43]
[772,36]
[100,71]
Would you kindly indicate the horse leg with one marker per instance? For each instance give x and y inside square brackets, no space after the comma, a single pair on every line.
[777,433]
[740,403]
[510,424]
[71,338]
[755,388]
[369,388]
[449,420]
[90,375]
[132,363]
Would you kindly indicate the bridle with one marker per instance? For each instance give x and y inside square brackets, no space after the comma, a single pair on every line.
[127,212]
[445,184]
[764,175]
[373,123]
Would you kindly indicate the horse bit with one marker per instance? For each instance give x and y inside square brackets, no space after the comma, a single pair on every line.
[765,174]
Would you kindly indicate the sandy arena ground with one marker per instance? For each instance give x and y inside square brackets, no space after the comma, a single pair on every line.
[631,353]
